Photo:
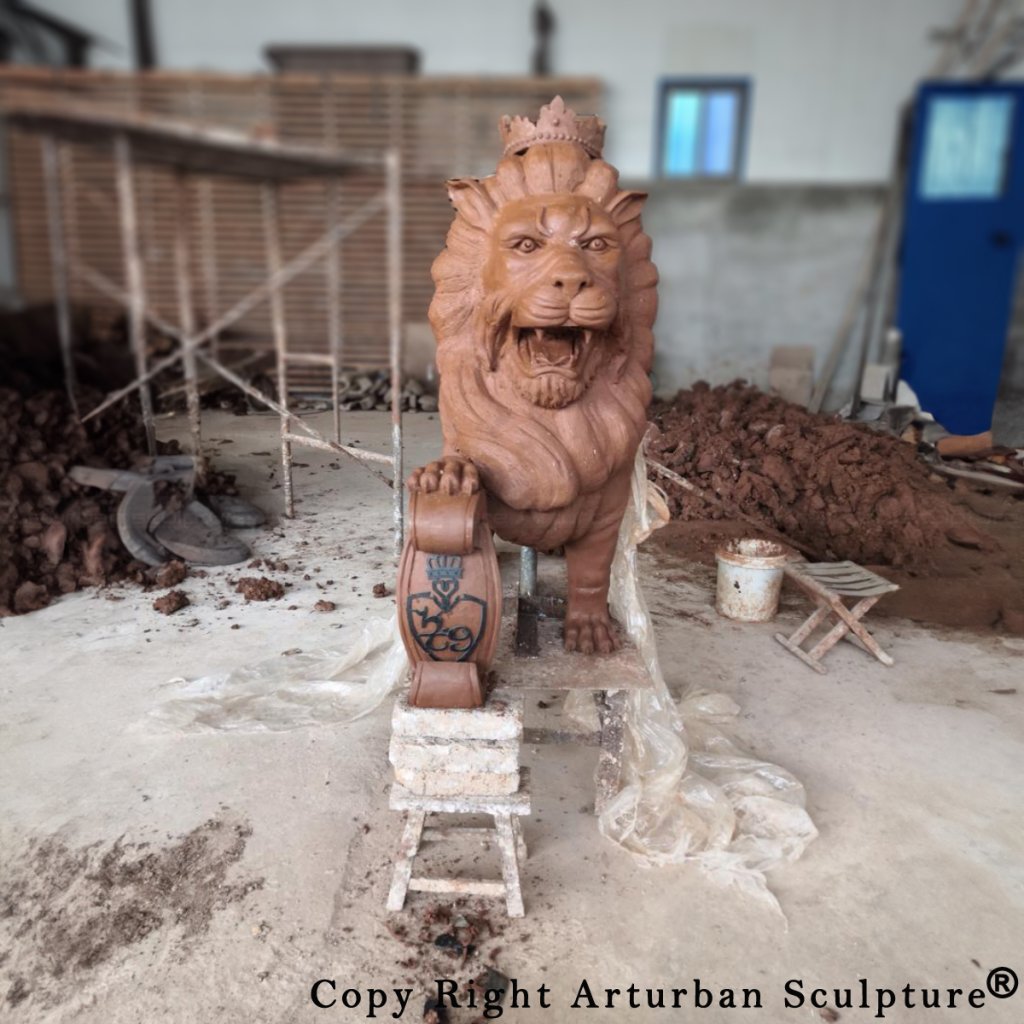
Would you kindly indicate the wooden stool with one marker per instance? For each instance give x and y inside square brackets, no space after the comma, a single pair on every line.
[827,583]
[507,832]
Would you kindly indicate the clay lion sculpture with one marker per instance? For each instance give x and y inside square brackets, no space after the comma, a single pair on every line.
[544,303]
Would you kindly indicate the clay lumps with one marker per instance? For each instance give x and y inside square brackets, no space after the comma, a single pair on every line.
[544,302]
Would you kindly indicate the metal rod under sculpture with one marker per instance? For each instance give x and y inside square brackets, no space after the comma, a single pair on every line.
[543,307]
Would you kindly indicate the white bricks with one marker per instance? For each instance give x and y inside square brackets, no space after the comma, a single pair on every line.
[458,783]
[431,754]
[458,752]
[518,803]
[501,718]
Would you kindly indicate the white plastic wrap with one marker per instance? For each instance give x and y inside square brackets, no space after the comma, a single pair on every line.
[288,691]
[690,793]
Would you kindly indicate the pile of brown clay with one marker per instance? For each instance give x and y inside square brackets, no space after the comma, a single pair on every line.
[55,535]
[840,489]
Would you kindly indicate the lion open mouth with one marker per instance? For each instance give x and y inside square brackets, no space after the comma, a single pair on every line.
[552,349]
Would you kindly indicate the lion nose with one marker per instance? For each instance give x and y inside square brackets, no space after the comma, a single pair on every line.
[571,282]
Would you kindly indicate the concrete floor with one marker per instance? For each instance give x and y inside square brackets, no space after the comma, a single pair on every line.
[913,777]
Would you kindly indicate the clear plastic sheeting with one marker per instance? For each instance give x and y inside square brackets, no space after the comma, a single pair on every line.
[690,794]
[289,691]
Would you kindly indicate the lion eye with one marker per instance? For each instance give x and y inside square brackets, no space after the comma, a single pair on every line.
[526,245]
[596,244]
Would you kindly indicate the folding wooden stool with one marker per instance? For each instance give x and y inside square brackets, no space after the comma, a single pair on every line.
[827,584]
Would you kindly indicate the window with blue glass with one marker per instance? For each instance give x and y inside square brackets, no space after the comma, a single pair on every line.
[702,127]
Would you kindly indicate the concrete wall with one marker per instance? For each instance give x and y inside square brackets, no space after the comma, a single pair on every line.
[746,268]
[827,75]
[1013,361]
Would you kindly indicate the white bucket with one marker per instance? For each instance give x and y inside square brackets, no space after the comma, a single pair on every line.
[750,579]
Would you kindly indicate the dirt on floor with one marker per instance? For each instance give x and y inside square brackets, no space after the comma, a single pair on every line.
[840,490]
[67,910]
[966,585]
[458,942]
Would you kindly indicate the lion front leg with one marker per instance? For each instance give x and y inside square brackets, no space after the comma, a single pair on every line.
[588,624]
[450,475]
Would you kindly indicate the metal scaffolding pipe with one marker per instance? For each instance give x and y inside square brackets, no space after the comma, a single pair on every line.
[393,189]
[272,233]
[186,317]
[332,270]
[59,263]
[134,282]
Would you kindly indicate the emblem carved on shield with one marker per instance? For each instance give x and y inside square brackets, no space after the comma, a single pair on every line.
[445,622]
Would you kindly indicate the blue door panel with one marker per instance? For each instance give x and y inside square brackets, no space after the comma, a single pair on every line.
[963,231]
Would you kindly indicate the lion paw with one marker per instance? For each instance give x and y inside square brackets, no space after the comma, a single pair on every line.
[589,632]
[450,475]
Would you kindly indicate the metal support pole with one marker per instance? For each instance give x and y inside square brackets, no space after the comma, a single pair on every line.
[59,263]
[332,266]
[207,226]
[527,572]
[271,228]
[186,317]
[394,207]
[134,283]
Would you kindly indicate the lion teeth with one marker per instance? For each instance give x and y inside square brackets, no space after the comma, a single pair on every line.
[555,346]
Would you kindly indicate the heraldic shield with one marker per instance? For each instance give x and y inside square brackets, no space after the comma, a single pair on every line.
[449,598]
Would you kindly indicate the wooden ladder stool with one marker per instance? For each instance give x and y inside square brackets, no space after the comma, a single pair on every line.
[507,832]
[827,584]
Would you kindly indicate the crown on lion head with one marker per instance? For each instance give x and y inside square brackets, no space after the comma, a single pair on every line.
[556,123]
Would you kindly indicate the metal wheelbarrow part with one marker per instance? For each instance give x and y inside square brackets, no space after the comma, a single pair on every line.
[137,510]
[195,534]
[236,513]
[161,467]
[105,479]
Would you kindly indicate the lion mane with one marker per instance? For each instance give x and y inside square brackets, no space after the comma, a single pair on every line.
[530,457]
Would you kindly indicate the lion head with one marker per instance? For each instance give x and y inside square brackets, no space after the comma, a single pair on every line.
[544,303]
